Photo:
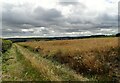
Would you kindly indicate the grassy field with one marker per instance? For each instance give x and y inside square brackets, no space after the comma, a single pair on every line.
[59,60]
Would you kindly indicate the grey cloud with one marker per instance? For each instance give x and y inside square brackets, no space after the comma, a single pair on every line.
[17,17]
[40,16]
[6,32]
[107,18]
[72,30]
[68,3]
[47,15]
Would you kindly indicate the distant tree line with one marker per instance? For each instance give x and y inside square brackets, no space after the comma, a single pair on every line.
[58,38]
[118,35]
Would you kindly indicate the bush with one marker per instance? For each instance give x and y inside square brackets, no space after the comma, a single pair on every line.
[6,44]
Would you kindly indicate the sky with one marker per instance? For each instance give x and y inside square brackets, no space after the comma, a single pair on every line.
[56,18]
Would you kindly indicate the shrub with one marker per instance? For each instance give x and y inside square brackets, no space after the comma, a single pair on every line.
[6,44]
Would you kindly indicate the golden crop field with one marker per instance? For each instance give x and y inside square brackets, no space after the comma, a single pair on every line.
[86,56]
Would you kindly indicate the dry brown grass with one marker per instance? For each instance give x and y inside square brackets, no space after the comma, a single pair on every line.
[94,55]
[81,44]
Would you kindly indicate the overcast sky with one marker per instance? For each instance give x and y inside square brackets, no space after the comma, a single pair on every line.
[43,18]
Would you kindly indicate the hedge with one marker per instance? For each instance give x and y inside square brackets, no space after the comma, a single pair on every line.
[6,44]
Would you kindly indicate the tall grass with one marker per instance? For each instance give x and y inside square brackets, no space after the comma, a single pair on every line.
[49,70]
[86,56]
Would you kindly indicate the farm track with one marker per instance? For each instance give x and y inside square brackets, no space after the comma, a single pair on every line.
[50,71]
[11,68]
[17,68]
